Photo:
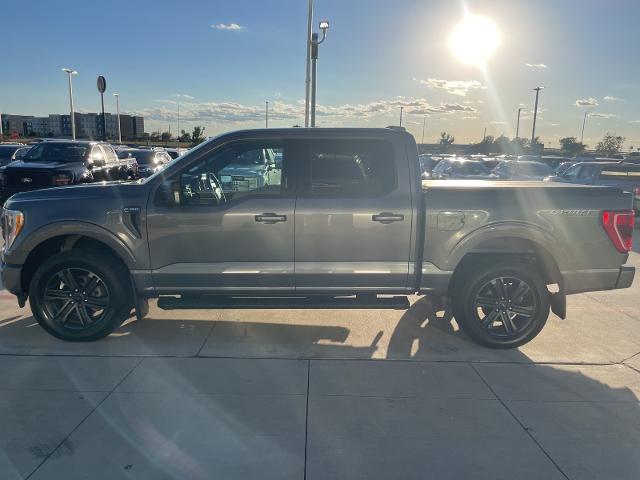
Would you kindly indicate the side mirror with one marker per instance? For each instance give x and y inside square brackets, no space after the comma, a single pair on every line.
[169,194]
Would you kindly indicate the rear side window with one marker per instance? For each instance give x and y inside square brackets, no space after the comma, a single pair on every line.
[348,168]
[109,154]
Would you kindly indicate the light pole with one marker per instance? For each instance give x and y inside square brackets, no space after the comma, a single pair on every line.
[179,132]
[324,26]
[1,131]
[424,124]
[518,124]
[307,82]
[118,116]
[584,121]
[535,115]
[69,72]
[401,110]
[266,114]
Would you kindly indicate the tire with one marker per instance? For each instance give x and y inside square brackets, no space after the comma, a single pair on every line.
[500,304]
[101,302]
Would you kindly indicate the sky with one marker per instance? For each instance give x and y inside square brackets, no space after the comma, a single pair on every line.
[221,60]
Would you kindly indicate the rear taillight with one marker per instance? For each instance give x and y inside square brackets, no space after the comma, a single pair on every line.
[619,227]
[636,191]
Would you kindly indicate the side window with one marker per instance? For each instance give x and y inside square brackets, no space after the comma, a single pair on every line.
[572,172]
[109,154]
[97,156]
[348,168]
[237,170]
[587,172]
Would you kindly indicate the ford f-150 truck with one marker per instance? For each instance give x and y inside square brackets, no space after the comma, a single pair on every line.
[347,223]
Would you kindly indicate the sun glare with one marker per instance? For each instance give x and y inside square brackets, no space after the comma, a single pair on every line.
[474,40]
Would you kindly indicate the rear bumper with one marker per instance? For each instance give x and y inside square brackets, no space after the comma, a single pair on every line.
[593,280]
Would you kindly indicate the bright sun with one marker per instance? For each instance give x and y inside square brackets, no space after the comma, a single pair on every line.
[474,40]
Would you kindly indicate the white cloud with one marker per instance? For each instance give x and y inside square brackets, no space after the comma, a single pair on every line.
[183,95]
[634,121]
[497,122]
[540,66]
[454,87]
[470,117]
[610,98]
[587,102]
[232,112]
[227,26]
[603,115]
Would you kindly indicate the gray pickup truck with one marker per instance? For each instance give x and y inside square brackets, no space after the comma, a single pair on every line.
[346,223]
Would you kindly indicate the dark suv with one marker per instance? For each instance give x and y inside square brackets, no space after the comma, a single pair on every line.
[58,163]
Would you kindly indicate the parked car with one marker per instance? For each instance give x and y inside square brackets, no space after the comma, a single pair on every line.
[460,168]
[7,150]
[522,170]
[563,167]
[623,175]
[367,233]
[175,152]
[60,163]
[149,161]
[257,169]
[427,164]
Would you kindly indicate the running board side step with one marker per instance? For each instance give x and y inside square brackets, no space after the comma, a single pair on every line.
[398,302]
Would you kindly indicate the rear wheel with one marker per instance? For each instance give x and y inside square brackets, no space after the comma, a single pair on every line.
[80,295]
[501,305]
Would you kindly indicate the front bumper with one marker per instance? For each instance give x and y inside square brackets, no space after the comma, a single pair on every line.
[11,278]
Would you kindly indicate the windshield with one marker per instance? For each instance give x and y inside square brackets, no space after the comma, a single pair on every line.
[57,152]
[143,156]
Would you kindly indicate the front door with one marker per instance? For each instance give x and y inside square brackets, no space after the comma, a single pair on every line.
[233,229]
[353,218]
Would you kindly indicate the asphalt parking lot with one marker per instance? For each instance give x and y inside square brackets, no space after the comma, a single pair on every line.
[323,394]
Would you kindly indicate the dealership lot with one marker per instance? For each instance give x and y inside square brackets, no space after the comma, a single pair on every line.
[333,394]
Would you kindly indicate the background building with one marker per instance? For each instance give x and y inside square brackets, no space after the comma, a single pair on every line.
[88,126]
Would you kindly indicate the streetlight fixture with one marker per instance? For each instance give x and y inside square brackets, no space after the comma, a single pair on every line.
[518,124]
[401,110]
[266,114]
[117,95]
[69,72]
[324,26]
[424,124]
[535,115]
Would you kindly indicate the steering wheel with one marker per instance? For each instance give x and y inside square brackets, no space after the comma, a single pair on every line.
[216,188]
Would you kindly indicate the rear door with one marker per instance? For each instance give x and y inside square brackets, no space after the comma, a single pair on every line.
[353,217]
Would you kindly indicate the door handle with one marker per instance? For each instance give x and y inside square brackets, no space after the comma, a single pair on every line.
[387,217]
[270,218]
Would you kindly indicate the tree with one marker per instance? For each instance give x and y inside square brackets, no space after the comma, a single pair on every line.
[501,145]
[610,144]
[484,147]
[571,147]
[446,140]
[197,136]
[185,137]
[166,136]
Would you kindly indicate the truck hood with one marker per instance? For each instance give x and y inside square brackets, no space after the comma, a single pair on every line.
[80,192]
[43,166]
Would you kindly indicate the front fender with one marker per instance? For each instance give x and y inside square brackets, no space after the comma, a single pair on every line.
[20,250]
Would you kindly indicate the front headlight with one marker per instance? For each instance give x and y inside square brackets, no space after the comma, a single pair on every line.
[12,223]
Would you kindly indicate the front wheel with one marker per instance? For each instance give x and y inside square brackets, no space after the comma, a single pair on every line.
[80,295]
[501,305]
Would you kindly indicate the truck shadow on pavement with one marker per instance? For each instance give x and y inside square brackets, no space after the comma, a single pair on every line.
[542,421]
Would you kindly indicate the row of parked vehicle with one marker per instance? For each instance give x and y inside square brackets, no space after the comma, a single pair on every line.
[54,163]
[621,173]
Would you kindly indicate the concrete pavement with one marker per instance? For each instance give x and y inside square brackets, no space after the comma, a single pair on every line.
[323,394]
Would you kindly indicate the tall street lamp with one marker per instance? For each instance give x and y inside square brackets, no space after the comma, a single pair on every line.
[535,115]
[118,116]
[424,124]
[584,121]
[518,124]
[266,114]
[401,110]
[324,26]
[69,72]
[307,81]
